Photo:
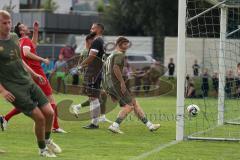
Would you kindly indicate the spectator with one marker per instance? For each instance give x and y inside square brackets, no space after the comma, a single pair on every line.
[171,69]
[237,81]
[47,68]
[229,84]
[186,84]
[195,68]
[205,84]
[68,52]
[215,82]
[60,69]
[71,10]
[190,90]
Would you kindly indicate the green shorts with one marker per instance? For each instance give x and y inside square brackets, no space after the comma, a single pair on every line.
[27,97]
[60,75]
[116,93]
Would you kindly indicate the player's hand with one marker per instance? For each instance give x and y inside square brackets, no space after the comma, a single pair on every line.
[40,79]
[8,96]
[36,26]
[46,61]
[123,87]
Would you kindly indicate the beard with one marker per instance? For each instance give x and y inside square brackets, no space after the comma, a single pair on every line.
[93,33]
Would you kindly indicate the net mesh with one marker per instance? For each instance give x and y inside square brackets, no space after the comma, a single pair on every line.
[203,46]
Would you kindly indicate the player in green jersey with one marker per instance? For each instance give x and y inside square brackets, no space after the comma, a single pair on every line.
[18,88]
[114,85]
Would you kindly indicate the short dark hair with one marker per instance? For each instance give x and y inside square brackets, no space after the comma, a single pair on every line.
[17,30]
[121,39]
[100,25]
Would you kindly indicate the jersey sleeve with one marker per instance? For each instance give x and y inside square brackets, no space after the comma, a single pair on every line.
[96,46]
[27,43]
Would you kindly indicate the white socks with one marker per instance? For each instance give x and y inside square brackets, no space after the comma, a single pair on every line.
[95,110]
[148,124]
[116,125]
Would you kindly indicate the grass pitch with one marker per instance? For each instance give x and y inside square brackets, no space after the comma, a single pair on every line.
[137,142]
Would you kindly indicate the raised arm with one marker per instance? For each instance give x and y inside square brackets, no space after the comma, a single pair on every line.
[35,33]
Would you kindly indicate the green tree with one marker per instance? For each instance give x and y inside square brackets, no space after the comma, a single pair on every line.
[100,6]
[50,5]
[9,7]
[157,18]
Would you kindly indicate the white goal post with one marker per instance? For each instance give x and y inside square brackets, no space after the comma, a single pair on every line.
[224,5]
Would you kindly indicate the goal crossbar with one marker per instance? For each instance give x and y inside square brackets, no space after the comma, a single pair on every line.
[228,3]
[209,9]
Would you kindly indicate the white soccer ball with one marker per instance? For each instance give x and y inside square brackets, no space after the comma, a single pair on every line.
[193,110]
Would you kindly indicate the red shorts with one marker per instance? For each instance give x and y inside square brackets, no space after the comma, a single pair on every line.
[46,88]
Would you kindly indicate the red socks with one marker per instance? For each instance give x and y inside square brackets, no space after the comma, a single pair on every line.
[55,118]
[12,113]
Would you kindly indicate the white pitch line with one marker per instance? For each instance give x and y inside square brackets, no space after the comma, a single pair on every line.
[159,148]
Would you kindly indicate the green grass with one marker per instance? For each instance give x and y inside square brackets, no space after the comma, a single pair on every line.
[208,118]
[19,140]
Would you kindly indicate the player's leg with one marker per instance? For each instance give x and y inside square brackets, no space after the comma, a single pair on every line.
[88,89]
[75,109]
[48,113]
[95,113]
[103,107]
[40,132]
[56,128]
[126,109]
[4,119]
[93,92]
[12,113]
[47,90]
[141,115]
[55,119]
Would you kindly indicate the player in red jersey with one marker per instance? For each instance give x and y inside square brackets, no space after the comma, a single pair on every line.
[29,55]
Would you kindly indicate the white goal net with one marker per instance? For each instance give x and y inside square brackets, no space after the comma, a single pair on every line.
[213,33]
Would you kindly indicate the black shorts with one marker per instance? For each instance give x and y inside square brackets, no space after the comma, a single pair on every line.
[92,86]
[171,73]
